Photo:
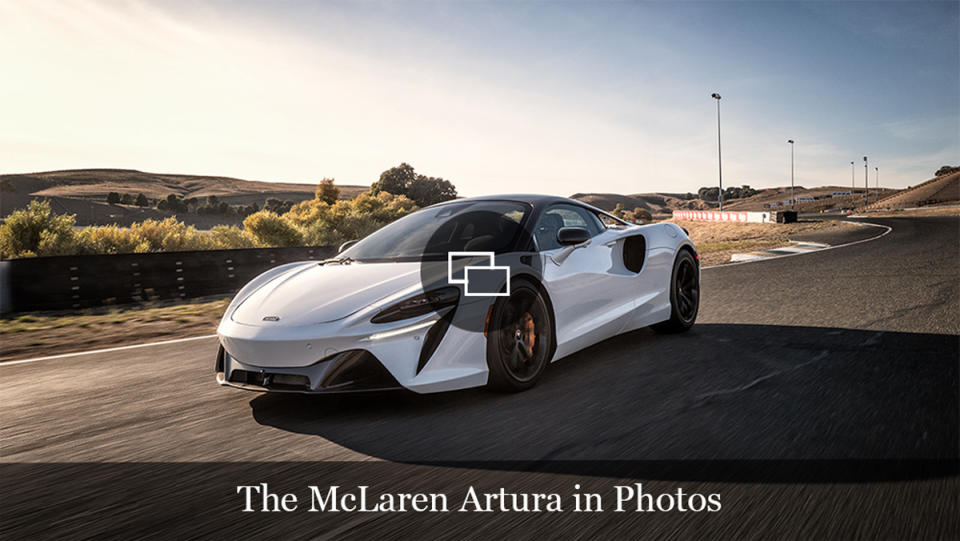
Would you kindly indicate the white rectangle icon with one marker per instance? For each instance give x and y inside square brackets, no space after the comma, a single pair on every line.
[466,270]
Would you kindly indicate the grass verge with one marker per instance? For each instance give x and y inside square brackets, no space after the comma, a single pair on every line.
[36,335]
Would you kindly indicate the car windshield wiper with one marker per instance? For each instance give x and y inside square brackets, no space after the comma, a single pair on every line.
[339,260]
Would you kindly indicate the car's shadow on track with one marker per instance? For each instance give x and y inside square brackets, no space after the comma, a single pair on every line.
[737,402]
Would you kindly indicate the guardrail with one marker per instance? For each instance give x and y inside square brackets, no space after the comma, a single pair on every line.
[66,282]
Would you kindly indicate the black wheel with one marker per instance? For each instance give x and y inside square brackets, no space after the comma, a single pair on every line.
[519,339]
[684,295]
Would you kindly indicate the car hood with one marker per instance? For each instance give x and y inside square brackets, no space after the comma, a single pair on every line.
[317,293]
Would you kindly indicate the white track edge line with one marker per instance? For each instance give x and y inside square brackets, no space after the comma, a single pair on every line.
[862,224]
[107,350]
[177,340]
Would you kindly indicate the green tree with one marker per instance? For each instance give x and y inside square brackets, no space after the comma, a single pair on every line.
[113,198]
[425,191]
[327,192]
[396,180]
[421,189]
[126,199]
[142,200]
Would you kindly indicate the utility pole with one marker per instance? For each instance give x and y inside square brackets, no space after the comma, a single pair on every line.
[793,197]
[866,183]
[719,155]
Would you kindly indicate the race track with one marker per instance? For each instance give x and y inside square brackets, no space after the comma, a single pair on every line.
[818,393]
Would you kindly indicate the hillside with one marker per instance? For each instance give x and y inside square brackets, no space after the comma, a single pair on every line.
[655,203]
[84,192]
[942,190]
[663,203]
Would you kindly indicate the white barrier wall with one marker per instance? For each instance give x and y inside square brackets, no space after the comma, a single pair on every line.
[717,216]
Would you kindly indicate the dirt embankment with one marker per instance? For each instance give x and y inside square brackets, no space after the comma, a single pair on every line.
[716,242]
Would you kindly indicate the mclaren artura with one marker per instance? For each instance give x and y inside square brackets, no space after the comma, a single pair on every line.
[472,292]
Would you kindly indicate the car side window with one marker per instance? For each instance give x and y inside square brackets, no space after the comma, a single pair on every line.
[562,215]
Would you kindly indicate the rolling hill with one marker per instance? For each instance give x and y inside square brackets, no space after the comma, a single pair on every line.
[84,192]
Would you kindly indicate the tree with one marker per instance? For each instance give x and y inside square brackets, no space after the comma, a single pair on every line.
[126,199]
[142,200]
[708,193]
[113,198]
[423,190]
[618,211]
[396,180]
[327,192]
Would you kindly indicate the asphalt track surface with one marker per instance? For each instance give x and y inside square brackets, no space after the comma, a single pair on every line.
[818,394]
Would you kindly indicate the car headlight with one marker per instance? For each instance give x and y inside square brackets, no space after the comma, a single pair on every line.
[419,305]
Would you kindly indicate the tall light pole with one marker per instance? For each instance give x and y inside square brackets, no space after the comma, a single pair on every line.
[793,197]
[719,155]
[853,180]
[866,183]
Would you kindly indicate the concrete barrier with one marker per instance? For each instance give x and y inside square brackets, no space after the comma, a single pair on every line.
[726,216]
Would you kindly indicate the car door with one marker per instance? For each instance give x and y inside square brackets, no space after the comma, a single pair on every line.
[587,298]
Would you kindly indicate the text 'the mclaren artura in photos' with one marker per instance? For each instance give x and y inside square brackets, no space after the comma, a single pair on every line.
[466,293]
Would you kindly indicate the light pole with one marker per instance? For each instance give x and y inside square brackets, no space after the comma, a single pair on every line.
[853,180]
[719,155]
[793,197]
[866,184]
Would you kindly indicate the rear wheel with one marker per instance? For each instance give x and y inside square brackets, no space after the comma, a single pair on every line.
[684,295]
[519,339]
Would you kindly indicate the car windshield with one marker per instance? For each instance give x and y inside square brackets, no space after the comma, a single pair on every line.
[481,226]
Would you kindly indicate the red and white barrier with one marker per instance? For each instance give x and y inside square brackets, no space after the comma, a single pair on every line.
[717,216]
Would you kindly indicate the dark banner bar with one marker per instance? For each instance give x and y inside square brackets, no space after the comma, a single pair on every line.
[306,500]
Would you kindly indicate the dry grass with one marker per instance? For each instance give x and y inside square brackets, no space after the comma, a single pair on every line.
[952,211]
[36,335]
[716,242]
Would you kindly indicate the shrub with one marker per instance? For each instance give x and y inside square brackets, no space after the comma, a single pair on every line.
[324,224]
[270,229]
[36,230]
[225,237]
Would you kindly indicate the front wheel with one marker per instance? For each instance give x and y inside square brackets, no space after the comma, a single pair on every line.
[519,339]
[684,295]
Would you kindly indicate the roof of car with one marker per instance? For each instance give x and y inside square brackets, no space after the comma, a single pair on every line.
[533,199]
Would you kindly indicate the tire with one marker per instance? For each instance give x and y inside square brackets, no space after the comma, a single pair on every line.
[519,339]
[684,295]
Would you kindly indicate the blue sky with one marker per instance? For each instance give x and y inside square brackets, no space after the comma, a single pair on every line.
[552,97]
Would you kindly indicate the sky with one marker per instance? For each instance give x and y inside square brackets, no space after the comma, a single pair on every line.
[497,97]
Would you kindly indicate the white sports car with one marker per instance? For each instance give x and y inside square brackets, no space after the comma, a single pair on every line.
[471,292]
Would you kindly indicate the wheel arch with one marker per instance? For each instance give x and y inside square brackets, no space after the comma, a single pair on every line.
[546,297]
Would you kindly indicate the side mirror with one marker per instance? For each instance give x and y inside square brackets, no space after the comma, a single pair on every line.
[346,245]
[569,236]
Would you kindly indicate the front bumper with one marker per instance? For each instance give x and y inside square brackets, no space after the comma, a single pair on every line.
[350,371]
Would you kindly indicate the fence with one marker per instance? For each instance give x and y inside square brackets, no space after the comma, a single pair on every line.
[65,282]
